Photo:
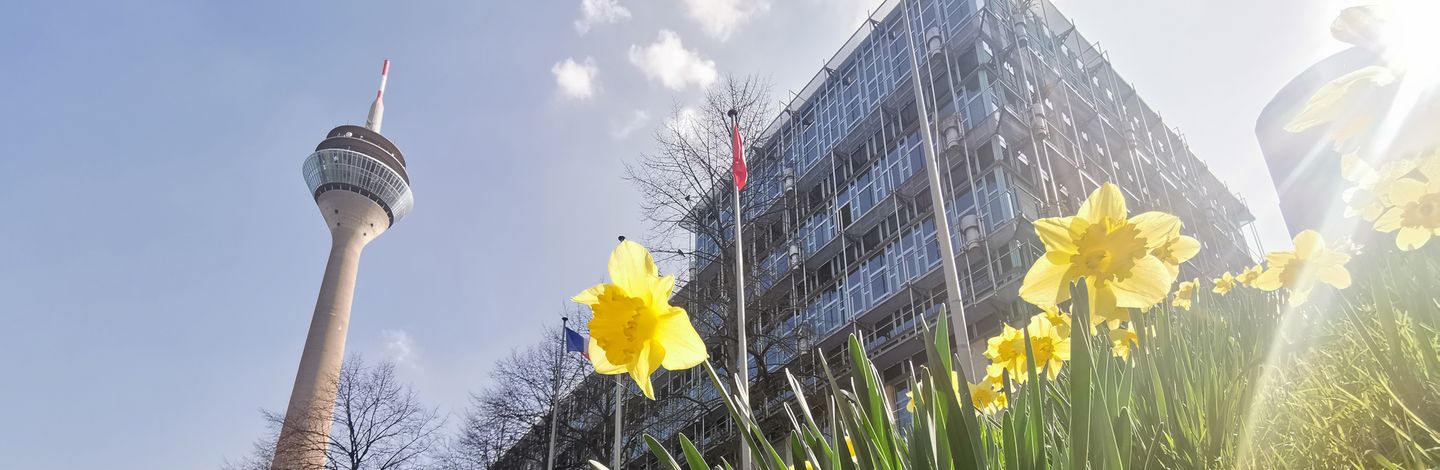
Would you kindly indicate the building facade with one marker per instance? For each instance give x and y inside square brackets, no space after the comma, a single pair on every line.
[1028,118]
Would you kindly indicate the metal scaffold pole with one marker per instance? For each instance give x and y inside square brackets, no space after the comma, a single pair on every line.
[742,358]
[954,304]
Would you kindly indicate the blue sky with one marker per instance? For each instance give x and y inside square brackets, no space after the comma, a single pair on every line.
[160,257]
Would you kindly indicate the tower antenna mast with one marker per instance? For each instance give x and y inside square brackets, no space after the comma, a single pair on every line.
[377,109]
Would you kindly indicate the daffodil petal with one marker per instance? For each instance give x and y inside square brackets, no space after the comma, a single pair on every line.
[1054,368]
[683,347]
[1355,169]
[1336,276]
[1156,227]
[1390,220]
[660,292]
[1185,248]
[1279,259]
[1308,243]
[1372,212]
[1062,349]
[1102,306]
[601,363]
[996,374]
[649,359]
[1405,190]
[1045,283]
[1147,285]
[1106,202]
[1329,257]
[1269,280]
[1411,238]
[632,268]
[589,296]
[1325,105]
[1055,234]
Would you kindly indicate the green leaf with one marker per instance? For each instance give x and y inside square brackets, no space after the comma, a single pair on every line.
[692,456]
[661,454]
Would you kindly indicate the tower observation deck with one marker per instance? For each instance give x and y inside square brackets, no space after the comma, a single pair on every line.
[359,182]
[360,160]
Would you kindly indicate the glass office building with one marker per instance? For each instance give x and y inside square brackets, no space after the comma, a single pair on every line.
[1028,118]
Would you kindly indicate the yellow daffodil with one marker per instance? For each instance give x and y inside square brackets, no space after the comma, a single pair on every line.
[1175,250]
[1051,349]
[851,446]
[1120,341]
[986,398]
[1224,283]
[1249,275]
[634,329]
[1185,294]
[1416,211]
[1060,320]
[1370,197]
[954,385]
[1113,253]
[1348,106]
[1297,271]
[1007,350]
[995,376]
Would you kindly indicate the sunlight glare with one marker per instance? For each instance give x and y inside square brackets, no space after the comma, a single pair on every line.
[1412,36]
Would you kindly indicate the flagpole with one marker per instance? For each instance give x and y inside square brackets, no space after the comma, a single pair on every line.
[619,406]
[619,413]
[554,410]
[742,357]
[953,301]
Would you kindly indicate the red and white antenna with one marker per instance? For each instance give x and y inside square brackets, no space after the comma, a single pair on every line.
[384,74]
[377,109]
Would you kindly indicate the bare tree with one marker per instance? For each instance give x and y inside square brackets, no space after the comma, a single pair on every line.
[378,424]
[261,453]
[682,183]
[685,186]
[508,423]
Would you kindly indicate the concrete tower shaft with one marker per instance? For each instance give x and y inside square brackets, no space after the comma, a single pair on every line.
[358,179]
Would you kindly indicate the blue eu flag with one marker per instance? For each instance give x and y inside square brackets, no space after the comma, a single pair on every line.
[575,343]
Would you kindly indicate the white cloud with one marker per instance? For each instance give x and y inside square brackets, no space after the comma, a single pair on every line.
[577,79]
[635,122]
[721,18]
[398,346]
[598,12]
[668,61]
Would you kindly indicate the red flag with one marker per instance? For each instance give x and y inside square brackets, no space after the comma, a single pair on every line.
[738,148]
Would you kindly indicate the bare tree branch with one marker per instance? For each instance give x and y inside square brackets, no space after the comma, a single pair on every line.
[378,424]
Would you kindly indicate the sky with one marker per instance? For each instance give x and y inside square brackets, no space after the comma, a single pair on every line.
[161,257]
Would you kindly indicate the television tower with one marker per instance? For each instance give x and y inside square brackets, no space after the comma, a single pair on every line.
[358,179]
